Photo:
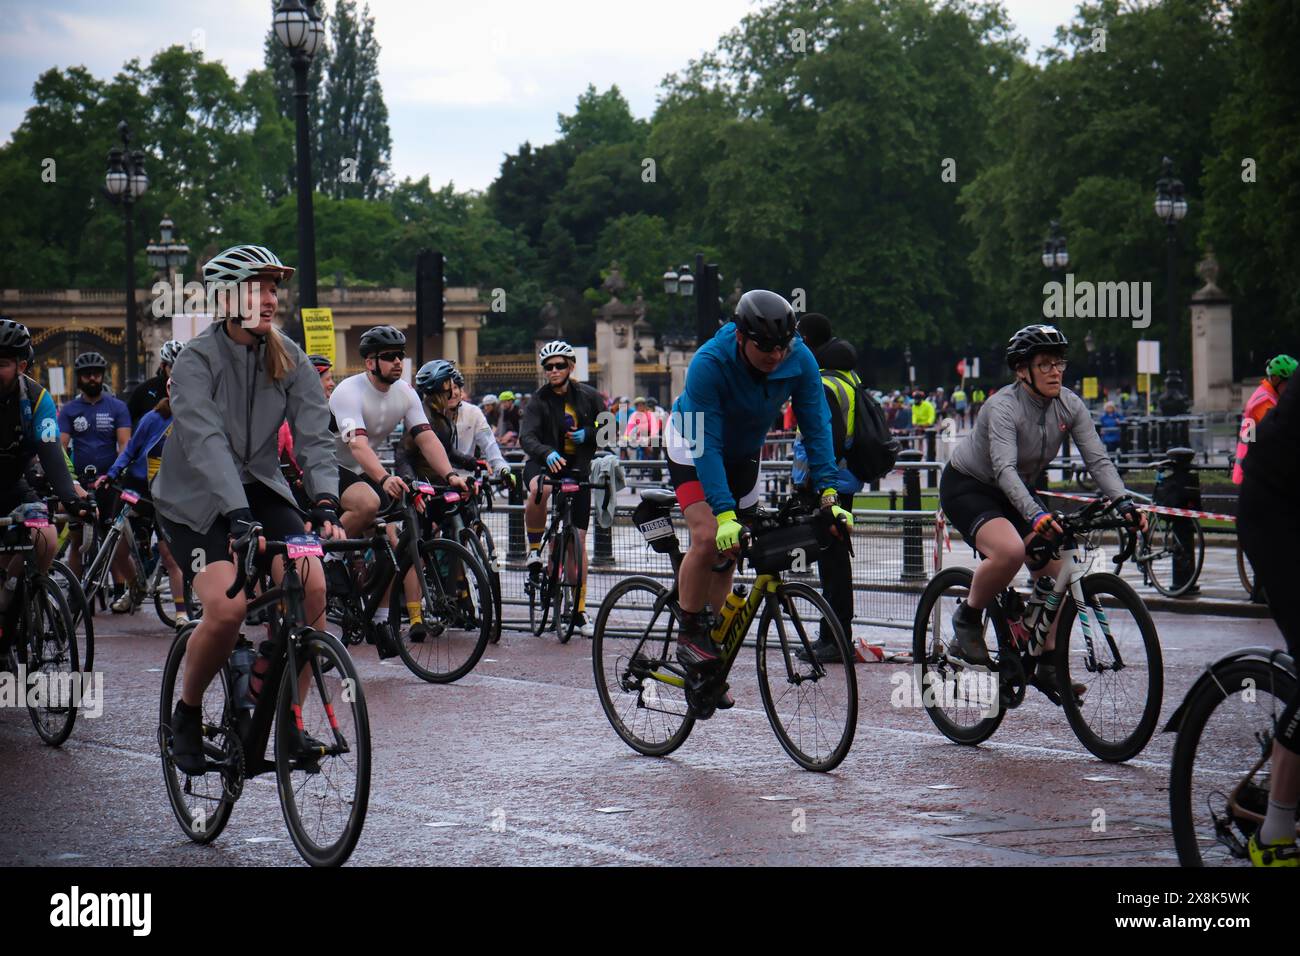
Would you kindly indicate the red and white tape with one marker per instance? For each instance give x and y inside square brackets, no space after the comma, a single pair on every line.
[1157,509]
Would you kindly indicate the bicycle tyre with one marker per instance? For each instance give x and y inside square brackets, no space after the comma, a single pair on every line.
[160,604]
[1198,709]
[618,597]
[1112,751]
[1158,565]
[435,554]
[567,587]
[470,539]
[53,623]
[83,622]
[217,705]
[926,659]
[323,644]
[540,593]
[786,593]
[1245,571]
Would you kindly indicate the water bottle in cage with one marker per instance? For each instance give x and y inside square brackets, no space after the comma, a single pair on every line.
[1047,601]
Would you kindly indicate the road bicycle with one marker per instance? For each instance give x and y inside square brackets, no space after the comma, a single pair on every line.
[554,588]
[1220,773]
[465,525]
[653,703]
[310,697]
[455,596]
[1113,653]
[41,647]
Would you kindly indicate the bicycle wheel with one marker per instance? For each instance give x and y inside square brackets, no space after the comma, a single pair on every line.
[1245,572]
[473,541]
[638,680]
[813,708]
[160,586]
[1218,779]
[540,586]
[201,804]
[94,579]
[83,622]
[962,701]
[50,656]
[569,586]
[456,604]
[324,796]
[1172,552]
[1113,649]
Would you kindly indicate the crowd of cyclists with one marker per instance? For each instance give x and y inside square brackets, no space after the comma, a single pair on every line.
[242,436]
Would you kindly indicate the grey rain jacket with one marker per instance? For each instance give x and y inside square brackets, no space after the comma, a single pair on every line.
[226,417]
[1018,433]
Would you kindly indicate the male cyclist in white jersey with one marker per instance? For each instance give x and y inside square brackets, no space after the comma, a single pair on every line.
[367,407]
[985,489]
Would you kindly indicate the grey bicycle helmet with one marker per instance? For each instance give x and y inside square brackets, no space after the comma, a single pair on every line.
[15,340]
[1033,339]
[243,262]
[431,376]
[380,339]
[167,354]
[89,360]
[765,316]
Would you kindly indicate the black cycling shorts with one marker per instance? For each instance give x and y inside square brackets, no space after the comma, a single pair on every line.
[581,513]
[968,503]
[348,478]
[277,516]
[742,482]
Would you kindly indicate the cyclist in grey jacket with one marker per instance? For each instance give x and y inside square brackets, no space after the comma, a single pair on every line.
[985,488]
[219,484]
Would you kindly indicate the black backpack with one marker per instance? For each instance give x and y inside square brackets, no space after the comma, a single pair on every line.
[869,449]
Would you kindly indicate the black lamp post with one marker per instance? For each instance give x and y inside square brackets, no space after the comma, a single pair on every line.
[125,182]
[1055,256]
[678,285]
[167,254]
[1170,206]
[299,28]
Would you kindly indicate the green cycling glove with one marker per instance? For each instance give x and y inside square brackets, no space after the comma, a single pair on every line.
[728,531]
[837,513]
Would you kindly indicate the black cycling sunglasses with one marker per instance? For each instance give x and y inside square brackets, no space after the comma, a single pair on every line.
[555,366]
[769,345]
[391,356]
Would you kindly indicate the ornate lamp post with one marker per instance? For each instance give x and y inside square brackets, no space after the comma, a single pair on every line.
[1171,207]
[1055,256]
[166,254]
[125,182]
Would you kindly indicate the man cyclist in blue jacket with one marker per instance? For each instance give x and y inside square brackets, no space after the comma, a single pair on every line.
[735,386]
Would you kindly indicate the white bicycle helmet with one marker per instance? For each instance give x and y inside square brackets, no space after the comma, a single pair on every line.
[552,349]
[243,262]
[167,354]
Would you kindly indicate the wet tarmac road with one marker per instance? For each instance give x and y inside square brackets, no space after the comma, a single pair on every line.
[514,764]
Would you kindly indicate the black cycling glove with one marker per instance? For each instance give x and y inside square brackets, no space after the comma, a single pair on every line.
[1127,510]
[82,509]
[326,511]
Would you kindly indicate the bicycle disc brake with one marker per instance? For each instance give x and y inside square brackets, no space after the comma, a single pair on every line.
[232,768]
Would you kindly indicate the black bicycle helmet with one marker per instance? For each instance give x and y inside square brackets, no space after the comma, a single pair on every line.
[1033,339]
[321,362]
[15,340]
[765,316]
[89,360]
[431,376]
[380,339]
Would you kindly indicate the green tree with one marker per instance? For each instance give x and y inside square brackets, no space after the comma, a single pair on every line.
[355,142]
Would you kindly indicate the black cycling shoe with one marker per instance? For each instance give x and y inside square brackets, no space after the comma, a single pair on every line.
[695,645]
[418,633]
[1047,682]
[969,631]
[308,752]
[726,701]
[823,652]
[385,641]
[187,742]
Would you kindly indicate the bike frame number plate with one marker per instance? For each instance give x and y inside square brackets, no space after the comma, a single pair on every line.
[130,497]
[569,487]
[423,488]
[656,528]
[303,546]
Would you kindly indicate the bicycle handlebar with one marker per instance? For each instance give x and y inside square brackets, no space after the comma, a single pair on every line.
[244,577]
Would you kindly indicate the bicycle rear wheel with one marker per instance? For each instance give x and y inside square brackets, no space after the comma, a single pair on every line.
[1123,672]
[963,701]
[568,584]
[1219,776]
[456,604]
[1172,552]
[638,680]
[813,707]
[160,586]
[324,796]
[1245,571]
[542,593]
[83,622]
[201,804]
[50,656]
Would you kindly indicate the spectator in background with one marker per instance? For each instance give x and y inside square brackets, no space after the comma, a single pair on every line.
[959,404]
[923,411]
[1277,373]
[643,428]
[491,410]
[508,421]
[977,399]
[1110,430]
[902,415]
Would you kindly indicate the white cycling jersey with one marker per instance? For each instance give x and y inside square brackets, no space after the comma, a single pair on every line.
[361,409]
[473,435]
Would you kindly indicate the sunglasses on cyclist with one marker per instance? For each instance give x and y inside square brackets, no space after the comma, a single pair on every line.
[769,345]
[555,366]
[391,356]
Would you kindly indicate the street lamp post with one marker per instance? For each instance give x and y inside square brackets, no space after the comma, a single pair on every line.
[685,290]
[1055,256]
[167,254]
[298,27]
[125,182]
[1170,206]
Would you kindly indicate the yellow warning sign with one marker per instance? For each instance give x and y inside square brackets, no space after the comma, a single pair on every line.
[318,332]
[1144,382]
[1090,388]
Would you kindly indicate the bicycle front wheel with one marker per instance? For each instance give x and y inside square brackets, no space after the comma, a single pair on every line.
[1245,571]
[641,687]
[1219,777]
[160,586]
[1173,550]
[83,622]
[478,541]
[813,707]
[50,656]
[1111,647]
[322,753]
[456,604]
[568,585]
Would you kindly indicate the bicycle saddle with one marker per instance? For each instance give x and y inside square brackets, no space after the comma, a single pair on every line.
[659,496]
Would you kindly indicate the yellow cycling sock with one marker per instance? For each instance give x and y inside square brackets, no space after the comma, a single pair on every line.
[582,597]
[413,612]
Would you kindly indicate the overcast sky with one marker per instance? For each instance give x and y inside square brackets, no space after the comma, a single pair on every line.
[465,83]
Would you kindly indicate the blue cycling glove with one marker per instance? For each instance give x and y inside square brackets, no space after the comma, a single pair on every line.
[553,459]
[579,436]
